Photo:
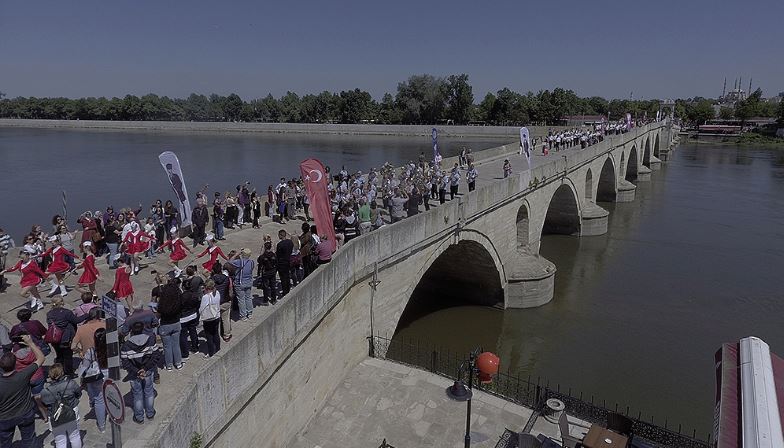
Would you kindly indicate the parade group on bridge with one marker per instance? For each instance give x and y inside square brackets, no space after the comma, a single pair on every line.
[160,331]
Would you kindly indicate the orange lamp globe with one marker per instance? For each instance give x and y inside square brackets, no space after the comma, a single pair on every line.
[487,363]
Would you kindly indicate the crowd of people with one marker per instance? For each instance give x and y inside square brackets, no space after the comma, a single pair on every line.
[161,332]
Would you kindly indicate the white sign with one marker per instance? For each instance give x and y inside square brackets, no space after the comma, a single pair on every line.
[109,306]
[113,399]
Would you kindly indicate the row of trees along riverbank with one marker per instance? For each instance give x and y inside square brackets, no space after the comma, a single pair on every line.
[422,99]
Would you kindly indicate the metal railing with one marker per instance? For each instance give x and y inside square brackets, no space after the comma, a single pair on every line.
[531,393]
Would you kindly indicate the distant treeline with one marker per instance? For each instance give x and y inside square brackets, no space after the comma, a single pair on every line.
[422,99]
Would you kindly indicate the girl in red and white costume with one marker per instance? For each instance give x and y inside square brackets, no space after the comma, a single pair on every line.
[214,251]
[32,276]
[59,266]
[178,249]
[134,245]
[90,274]
[123,288]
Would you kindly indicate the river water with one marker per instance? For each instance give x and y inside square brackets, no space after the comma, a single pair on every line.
[101,168]
[696,260]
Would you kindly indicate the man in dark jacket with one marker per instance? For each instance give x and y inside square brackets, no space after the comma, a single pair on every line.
[139,357]
[283,253]
[306,247]
[200,217]
[268,266]
[189,317]
[222,286]
[169,310]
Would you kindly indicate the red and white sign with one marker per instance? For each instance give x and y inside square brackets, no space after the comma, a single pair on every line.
[113,399]
[316,178]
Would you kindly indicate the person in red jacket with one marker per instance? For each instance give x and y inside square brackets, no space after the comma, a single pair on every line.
[32,276]
[90,274]
[214,251]
[123,288]
[59,265]
[178,249]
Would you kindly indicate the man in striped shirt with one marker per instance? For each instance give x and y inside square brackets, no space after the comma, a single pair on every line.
[6,243]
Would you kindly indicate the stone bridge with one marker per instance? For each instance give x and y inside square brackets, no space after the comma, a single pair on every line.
[483,247]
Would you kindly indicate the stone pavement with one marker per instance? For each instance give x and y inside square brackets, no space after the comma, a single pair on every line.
[489,171]
[409,408]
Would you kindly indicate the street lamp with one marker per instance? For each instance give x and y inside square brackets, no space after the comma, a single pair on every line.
[485,364]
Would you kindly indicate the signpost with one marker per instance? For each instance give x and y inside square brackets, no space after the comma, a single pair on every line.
[115,408]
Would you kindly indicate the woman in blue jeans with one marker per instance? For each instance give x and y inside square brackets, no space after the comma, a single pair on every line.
[96,371]
[169,309]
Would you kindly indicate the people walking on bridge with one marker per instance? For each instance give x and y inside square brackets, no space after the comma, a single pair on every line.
[471,176]
[507,168]
[454,182]
[443,184]
[61,396]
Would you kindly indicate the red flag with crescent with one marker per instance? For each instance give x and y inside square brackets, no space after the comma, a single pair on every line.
[316,178]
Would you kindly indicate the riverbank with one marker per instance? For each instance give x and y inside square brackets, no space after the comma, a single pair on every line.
[278,128]
[744,140]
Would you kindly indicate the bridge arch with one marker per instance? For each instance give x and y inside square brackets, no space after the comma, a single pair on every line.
[523,223]
[466,272]
[607,189]
[631,167]
[589,185]
[656,146]
[563,212]
[646,155]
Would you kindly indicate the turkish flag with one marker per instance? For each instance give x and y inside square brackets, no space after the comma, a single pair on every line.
[315,177]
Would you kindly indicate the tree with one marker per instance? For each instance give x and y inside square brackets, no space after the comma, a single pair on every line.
[459,98]
[232,107]
[780,113]
[421,99]
[749,107]
[356,106]
[726,113]
[702,112]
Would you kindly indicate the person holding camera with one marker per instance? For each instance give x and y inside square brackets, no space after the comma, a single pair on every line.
[17,408]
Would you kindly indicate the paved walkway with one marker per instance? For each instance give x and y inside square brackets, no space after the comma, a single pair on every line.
[489,171]
[409,408]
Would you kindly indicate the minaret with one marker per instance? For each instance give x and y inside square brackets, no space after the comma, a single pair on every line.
[750,85]
[740,84]
[724,90]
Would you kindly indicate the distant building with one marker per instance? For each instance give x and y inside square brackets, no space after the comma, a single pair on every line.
[580,120]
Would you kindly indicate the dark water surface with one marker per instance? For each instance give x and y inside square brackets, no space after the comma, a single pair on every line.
[696,260]
[99,168]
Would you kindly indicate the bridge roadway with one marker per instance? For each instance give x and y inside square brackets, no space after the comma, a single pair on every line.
[281,366]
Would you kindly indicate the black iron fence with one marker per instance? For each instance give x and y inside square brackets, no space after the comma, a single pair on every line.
[533,393]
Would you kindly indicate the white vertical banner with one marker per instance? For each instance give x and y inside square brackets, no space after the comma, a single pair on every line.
[171,165]
[525,145]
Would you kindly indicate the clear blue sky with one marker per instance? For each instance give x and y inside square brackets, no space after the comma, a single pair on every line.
[657,49]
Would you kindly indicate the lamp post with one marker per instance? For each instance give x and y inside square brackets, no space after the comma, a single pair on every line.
[485,364]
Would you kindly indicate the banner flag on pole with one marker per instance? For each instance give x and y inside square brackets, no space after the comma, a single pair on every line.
[65,207]
[171,165]
[436,152]
[316,179]
[628,120]
[525,145]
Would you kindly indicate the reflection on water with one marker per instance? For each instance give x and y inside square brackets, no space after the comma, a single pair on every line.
[638,313]
[101,168]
